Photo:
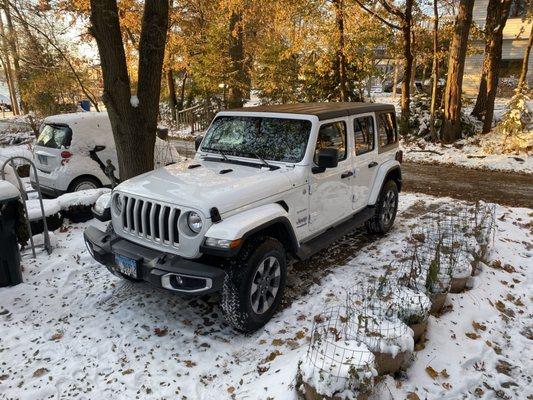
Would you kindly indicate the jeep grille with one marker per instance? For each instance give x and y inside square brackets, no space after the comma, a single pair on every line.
[150,220]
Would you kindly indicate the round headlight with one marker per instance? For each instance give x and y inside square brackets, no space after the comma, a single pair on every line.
[117,203]
[195,222]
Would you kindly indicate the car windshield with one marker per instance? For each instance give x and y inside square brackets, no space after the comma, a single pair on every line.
[273,139]
[55,136]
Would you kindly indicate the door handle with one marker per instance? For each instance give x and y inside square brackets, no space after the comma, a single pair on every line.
[346,174]
[372,164]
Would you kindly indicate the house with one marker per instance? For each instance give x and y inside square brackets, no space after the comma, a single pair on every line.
[515,38]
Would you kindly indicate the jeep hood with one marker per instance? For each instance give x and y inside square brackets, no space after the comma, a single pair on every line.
[226,186]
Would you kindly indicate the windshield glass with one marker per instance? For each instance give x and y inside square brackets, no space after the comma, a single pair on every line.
[55,136]
[273,139]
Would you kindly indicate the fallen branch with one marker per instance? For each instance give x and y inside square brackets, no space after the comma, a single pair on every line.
[426,151]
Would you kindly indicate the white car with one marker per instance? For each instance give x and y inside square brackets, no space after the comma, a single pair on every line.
[72,150]
[267,183]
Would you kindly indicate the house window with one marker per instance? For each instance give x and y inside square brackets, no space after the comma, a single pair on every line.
[363,129]
[518,9]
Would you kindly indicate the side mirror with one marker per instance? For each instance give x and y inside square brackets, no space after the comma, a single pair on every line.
[198,142]
[327,158]
[98,148]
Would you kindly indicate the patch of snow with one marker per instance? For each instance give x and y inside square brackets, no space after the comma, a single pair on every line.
[466,153]
[8,191]
[64,202]
[134,101]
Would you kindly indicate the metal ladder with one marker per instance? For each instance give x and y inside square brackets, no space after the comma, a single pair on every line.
[24,192]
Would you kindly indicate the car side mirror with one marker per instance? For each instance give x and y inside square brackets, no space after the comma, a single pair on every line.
[98,148]
[198,142]
[327,158]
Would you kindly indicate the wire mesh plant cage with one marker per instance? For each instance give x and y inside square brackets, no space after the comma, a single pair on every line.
[439,250]
[334,361]
[374,320]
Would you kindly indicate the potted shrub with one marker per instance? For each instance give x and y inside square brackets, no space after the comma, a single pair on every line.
[413,307]
[335,366]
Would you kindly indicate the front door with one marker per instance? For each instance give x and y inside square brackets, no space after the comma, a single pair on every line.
[366,167]
[331,190]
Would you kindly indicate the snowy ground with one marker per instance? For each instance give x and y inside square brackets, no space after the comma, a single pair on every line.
[465,153]
[74,330]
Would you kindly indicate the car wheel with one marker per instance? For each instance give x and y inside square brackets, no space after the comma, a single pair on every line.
[84,183]
[254,284]
[386,209]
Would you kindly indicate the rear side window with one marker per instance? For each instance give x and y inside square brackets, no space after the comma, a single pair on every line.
[333,136]
[363,129]
[55,136]
[387,129]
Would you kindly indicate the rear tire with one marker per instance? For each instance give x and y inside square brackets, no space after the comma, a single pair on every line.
[386,209]
[84,183]
[254,284]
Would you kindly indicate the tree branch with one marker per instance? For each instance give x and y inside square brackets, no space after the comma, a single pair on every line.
[375,14]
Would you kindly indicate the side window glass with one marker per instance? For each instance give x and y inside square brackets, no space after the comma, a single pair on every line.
[363,129]
[387,129]
[334,136]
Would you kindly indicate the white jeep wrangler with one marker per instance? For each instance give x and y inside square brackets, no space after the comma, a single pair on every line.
[267,183]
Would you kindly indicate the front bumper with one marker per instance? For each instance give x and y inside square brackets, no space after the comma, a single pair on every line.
[163,270]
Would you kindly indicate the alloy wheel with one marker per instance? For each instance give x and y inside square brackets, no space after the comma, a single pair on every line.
[265,285]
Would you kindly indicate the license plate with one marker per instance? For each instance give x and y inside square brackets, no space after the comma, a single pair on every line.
[42,159]
[126,265]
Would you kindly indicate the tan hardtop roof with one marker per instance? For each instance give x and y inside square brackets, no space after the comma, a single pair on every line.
[321,110]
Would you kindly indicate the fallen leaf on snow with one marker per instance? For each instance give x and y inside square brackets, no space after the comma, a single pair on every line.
[431,372]
[40,372]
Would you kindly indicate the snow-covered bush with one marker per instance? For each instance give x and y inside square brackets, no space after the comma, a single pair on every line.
[514,133]
[419,119]
[335,365]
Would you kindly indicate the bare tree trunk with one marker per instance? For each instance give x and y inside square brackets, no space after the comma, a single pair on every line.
[172,99]
[495,58]
[434,72]
[451,124]
[13,48]
[134,124]
[8,70]
[497,13]
[525,62]
[395,79]
[238,82]
[182,91]
[408,67]
[341,57]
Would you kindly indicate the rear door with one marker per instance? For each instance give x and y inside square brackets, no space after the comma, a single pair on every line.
[52,141]
[366,152]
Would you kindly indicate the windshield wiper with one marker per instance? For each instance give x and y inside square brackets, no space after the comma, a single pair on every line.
[262,160]
[217,151]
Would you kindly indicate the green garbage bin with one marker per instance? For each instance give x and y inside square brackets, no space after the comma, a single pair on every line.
[10,273]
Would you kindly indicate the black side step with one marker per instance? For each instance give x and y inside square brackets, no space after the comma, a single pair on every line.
[333,234]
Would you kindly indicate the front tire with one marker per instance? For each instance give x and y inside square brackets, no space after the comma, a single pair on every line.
[386,209]
[84,183]
[254,284]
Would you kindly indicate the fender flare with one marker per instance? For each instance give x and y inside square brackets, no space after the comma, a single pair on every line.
[388,167]
[247,223]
